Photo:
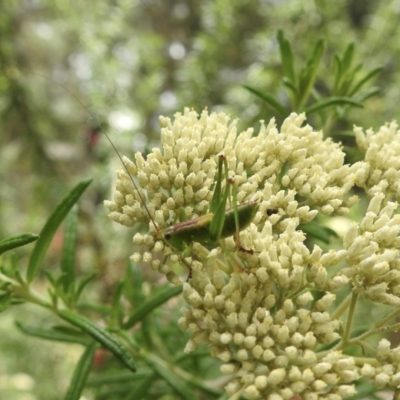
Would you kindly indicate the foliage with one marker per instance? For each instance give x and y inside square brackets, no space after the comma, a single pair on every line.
[65,290]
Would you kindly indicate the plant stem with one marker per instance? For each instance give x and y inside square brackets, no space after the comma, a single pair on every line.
[350,317]
[342,307]
[24,292]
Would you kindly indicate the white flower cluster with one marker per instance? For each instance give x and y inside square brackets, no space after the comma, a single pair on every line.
[266,312]
[386,374]
[268,344]
[382,153]
[373,253]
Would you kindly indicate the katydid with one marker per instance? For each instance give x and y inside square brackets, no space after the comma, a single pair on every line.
[207,229]
[218,224]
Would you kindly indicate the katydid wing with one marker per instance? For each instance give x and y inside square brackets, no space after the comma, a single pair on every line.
[220,223]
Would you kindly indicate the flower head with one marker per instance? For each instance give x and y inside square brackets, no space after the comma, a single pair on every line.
[382,153]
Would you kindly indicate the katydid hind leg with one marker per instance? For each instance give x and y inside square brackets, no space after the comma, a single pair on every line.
[216,199]
[218,202]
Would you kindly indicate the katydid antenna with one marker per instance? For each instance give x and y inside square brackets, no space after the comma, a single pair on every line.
[95,118]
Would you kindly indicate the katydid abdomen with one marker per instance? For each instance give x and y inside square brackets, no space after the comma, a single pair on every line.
[180,235]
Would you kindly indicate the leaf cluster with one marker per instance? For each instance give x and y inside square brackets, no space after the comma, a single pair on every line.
[346,91]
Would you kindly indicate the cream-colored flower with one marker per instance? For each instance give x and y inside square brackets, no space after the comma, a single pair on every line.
[372,252]
[382,153]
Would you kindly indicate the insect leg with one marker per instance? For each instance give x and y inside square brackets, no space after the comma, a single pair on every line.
[218,202]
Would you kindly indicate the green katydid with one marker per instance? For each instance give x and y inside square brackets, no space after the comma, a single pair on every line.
[208,229]
[219,223]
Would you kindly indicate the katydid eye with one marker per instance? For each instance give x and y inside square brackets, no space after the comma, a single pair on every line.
[167,236]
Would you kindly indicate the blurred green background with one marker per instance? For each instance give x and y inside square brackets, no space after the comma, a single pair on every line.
[129,62]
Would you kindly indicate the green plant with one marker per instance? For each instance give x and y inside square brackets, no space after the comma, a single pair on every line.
[280,319]
[302,88]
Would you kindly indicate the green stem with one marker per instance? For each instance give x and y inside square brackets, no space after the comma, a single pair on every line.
[342,307]
[153,361]
[367,346]
[367,360]
[378,328]
[350,317]
[365,335]
[24,292]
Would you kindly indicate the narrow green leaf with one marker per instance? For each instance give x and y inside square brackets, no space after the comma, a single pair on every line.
[52,334]
[365,79]
[117,313]
[348,80]
[81,373]
[50,228]
[347,58]
[69,248]
[10,267]
[69,330]
[286,57]
[289,84]
[102,336]
[367,93]
[165,370]
[133,284]
[337,73]
[333,101]
[52,279]
[83,283]
[309,74]
[151,304]
[275,104]
[17,241]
